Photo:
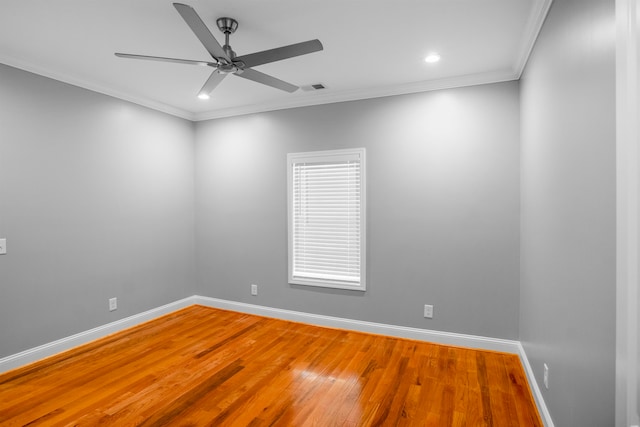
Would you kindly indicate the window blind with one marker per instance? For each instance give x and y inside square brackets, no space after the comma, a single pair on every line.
[326,219]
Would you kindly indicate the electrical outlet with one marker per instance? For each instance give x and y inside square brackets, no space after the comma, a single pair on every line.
[3,246]
[428,311]
[254,289]
[545,376]
[113,304]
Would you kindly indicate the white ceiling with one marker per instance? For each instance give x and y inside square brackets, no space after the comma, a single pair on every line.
[371,47]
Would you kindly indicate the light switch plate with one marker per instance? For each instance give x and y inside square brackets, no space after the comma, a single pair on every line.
[3,246]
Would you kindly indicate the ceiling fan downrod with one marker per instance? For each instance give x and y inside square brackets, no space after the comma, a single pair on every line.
[228,26]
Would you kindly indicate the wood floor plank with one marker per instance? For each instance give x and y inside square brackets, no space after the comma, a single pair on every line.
[206,367]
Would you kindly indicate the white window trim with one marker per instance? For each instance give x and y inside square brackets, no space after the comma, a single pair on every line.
[322,156]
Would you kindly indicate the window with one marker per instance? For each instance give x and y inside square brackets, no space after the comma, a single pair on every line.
[326,210]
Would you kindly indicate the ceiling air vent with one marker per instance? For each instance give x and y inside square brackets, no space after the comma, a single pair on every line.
[317,86]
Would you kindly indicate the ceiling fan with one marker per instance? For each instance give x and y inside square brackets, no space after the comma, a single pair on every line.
[225,60]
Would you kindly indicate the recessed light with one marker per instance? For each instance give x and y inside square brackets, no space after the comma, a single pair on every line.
[203,96]
[432,58]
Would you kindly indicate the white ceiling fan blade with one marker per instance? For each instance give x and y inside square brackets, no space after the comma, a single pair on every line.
[280,53]
[212,82]
[201,31]
[163,59]
[266,79]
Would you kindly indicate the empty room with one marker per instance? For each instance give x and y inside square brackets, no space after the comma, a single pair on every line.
[287,213]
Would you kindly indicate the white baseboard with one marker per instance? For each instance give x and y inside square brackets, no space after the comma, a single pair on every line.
[537,393]
[446,338]
[38,353]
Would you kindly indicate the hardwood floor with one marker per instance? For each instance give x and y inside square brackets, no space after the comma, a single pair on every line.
[207,367]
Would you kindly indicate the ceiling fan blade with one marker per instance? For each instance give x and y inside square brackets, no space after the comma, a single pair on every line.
[162,59]
[280,53]
[214,80]
[266,79]
[201,31]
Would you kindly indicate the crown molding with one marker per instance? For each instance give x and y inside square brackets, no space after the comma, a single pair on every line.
[319,98]
[309,100]
[94,87]
[538,14]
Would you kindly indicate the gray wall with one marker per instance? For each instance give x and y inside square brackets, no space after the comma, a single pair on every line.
[443,207]
[567,305]
[96,201]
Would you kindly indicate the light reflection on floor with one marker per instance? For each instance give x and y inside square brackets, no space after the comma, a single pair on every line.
[324,387]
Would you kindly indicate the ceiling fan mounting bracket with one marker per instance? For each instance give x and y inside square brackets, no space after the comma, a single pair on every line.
[227,25]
